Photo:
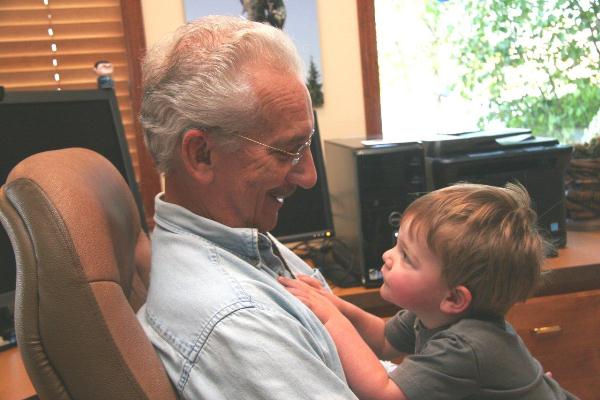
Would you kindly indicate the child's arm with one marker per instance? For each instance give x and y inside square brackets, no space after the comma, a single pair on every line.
[364,372]
[370,327]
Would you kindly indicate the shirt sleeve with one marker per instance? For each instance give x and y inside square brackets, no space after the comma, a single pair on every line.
[269,356]
[447,366]
[400,332]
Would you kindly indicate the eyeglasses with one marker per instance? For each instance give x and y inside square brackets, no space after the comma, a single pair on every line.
[295,157]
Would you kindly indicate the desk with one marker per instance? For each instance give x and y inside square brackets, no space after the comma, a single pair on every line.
[14,382]
[576,268]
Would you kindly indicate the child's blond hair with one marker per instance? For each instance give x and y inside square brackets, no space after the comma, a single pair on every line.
[486,238]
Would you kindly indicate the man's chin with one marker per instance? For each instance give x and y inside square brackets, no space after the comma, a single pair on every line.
[268,224]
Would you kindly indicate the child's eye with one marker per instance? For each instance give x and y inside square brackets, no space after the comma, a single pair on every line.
[404,257]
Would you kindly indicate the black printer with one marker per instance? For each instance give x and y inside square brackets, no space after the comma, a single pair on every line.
[498,157]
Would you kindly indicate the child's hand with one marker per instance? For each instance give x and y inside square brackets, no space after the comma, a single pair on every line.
[312,296]
[339,303]
[309,280]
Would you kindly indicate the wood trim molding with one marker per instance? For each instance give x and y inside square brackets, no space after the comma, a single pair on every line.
[135,42]
[370,67]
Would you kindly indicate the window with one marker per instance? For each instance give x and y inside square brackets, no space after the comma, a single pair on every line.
[54,44]
[462,65]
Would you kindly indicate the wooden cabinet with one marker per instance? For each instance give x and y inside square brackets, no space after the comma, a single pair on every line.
[563,333]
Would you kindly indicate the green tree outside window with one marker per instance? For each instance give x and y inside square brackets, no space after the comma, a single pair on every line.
[537,61]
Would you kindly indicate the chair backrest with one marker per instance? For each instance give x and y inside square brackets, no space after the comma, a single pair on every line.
[83,266]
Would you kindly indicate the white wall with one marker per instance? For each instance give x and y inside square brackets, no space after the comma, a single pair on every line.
[343,112]
[161,17]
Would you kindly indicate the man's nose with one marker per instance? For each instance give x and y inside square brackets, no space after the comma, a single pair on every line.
[304,174]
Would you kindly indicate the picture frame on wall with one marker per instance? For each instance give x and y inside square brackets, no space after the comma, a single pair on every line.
[298,18]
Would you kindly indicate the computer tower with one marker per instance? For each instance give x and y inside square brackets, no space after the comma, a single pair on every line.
[495,158]
[369,188]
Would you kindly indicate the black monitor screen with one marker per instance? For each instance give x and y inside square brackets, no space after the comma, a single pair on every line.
[307,213]
[32,122]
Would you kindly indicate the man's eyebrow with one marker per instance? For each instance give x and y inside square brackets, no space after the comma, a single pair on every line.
[297,139]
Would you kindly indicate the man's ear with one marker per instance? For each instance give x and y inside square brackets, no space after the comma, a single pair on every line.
[456,301]
[196,147]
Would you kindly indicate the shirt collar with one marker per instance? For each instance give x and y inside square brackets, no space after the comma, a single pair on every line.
[245,242]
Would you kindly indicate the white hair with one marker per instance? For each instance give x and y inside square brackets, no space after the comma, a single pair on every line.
[194,78]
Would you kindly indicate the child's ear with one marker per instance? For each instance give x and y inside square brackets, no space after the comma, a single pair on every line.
[456,301]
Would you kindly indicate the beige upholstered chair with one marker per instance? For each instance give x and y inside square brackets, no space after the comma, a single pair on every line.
[82,272]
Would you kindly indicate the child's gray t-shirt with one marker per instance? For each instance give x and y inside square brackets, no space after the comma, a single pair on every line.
[470,359]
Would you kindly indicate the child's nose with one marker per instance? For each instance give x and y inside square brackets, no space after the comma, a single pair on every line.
[386,259]
[387,253]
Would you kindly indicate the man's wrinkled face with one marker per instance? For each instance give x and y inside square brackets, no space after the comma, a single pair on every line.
[255,180]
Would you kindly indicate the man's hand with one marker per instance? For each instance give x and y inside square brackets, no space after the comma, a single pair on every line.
[309,291]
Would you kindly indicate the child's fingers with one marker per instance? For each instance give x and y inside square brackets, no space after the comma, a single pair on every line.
[299,293]
[302,295]
[296,291]
[299,289]
[287,282]
[309,280]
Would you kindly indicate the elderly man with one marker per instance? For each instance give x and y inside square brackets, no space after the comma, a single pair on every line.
[229,122]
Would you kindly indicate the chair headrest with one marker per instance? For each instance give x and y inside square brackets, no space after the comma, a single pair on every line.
[94,201]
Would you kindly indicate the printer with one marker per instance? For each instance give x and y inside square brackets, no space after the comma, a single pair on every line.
[498,157]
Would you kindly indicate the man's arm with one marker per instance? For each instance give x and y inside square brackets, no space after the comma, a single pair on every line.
[364,372]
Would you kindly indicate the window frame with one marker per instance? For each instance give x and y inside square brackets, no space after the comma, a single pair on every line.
[135,42]
[370,67]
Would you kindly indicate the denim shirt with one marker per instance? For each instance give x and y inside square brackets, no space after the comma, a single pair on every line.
[221,323]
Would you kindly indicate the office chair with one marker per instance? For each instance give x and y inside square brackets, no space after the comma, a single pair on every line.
[83,266]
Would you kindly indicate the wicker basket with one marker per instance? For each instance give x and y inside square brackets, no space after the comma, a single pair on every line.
[582,184]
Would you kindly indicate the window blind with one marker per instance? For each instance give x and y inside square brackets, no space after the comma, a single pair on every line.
[53,44]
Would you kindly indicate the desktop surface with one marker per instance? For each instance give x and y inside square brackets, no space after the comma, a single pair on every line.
[14,381]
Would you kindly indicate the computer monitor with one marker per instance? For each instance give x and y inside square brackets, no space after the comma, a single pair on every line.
[36,121]
[306,214]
